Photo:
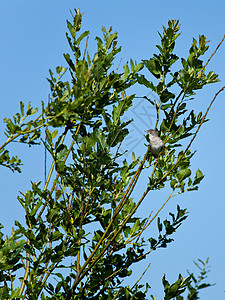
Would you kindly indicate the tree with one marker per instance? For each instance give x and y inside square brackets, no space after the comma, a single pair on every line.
[82,234]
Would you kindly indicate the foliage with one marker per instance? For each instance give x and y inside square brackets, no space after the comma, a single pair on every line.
[178,287]
[82,234]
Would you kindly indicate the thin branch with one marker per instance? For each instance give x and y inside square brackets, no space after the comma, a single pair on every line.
[142,275]
[85,50]
[200,73]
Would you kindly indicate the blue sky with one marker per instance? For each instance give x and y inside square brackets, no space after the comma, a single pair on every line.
[33,41]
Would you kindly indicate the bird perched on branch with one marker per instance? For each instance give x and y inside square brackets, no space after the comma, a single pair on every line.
[155,142]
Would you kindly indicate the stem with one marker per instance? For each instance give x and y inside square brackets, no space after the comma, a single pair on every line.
[200,73]
[26,273]
[141,275]
[82,212]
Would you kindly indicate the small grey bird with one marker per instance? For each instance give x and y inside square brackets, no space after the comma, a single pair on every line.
[155,142]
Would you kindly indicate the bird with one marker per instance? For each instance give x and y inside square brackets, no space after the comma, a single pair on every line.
[156,142]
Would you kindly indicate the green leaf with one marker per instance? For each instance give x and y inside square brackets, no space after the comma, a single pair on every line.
[110,39]
[173,182]
[159,225]
[198,177]
[69,61]
[28,197]
[183,173]
[56,235]
[60,70]
[72,29]
[54,133]
[81,37]
[153,66]
[132,65]
[123,106]
[142,80]
[36,207]
[22,108]
[61,152]
[100,139]
[126,72]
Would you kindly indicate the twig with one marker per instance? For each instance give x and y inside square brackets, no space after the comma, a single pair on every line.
[211,56]
[141,275]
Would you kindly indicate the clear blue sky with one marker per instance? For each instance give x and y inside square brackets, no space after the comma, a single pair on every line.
[33,40]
